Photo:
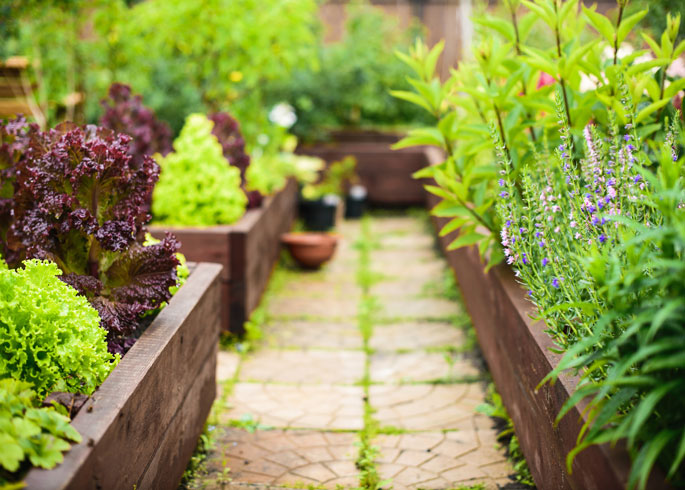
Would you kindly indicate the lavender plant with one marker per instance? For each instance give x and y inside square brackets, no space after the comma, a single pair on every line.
[608,206]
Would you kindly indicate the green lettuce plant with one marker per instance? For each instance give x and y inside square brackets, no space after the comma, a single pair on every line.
[50,336]
[29,434]
[197,186]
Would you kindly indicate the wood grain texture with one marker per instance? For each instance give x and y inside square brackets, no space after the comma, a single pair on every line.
[125,423]
[386,173]
[517,351]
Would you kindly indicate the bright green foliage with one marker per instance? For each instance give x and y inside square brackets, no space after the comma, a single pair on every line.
[39,435]
[508,88]
[182,56]
[349,87]
[49,335]
[335,179]
[197,186]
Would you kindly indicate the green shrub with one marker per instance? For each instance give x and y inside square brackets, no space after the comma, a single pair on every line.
[197,186]
[40,435]
[350,85]
[49,335]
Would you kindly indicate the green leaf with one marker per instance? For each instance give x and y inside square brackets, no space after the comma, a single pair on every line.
[412,97]
[656,49]
[453,224]
[421,137]
[432,60]
[11,453]
[627,25]
[465,240]
[650,109]
[600,23]
[497,24]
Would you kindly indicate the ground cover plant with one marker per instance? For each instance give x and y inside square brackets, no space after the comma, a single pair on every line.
[566,163]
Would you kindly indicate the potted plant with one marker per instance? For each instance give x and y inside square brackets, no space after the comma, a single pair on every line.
[321,203]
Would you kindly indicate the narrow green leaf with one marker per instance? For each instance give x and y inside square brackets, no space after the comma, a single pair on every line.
[465,240]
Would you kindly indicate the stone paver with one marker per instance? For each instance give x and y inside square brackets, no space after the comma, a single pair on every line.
[426,407]
[304,307]
[297,405]
[393,308]
[420,366]
[423,335]
[285,458]
[442,460]
[303,334]
[327,407]
[304,366]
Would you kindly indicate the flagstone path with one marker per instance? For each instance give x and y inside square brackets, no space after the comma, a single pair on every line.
[289,414]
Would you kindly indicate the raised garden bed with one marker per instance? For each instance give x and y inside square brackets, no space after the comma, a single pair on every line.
[141,426]
[517,351]
[248,251]
[385,173]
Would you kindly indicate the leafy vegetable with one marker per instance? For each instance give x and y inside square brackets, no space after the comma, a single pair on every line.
[227,132]
[15,135]
[126,114]
[197,186]
[49,335]
[81,202]
[335,178]
[39,435]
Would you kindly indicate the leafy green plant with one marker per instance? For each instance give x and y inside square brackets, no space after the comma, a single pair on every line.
[197,186]
[28,433]
[507,89]
[337,176]
[348,87]
[631,363]
[81,202]
[50,336]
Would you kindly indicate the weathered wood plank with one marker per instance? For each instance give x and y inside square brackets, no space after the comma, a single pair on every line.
[126,419]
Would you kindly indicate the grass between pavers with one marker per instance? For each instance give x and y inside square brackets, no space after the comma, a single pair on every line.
[369,479]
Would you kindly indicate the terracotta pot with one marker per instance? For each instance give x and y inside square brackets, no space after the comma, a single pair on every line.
[310,250]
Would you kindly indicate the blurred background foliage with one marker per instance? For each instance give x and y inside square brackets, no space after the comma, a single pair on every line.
[183,56]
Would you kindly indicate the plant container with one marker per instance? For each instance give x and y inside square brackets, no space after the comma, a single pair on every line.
[310,250]
[355,202]
[319,214]
[519,355]
[248,251]
[385,173]
[141,426]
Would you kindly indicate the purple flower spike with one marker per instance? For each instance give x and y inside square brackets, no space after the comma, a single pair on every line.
[626,137]
[602,238]
[504,194]
[555,283]
[545,262]
[501,182]
[525,259]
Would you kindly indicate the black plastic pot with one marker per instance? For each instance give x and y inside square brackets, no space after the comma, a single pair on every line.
[319,214]
[355,202]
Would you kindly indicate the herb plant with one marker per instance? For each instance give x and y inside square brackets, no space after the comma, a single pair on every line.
[510,84]
[197,186]
[81,202]
[28,433]
[125,113]
[334,180]
[50,337]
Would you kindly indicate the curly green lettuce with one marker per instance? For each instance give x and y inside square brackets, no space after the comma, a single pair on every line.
[50,336]
[197,186]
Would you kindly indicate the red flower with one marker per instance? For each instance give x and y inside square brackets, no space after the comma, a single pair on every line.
[544,80]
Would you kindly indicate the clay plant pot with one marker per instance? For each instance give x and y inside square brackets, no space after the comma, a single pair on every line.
[310,250]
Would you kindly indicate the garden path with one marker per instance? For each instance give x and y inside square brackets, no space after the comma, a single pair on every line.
[373,350]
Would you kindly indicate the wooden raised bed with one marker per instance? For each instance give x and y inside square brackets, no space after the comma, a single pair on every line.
[141,426]
[518,353]
[248,251]
[385,173]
